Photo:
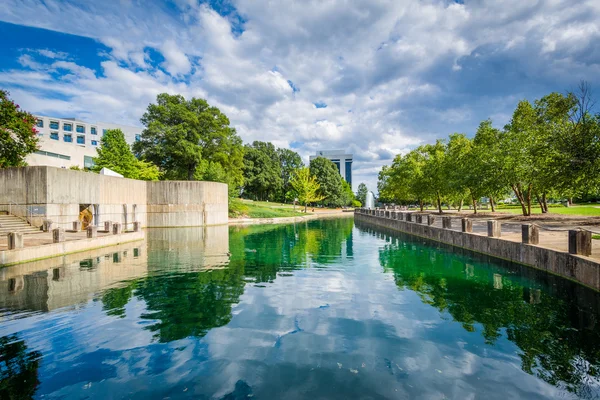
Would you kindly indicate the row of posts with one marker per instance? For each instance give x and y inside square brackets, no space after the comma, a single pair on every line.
[580,241]
[15,239]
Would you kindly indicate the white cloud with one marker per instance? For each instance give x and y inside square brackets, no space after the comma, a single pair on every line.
[393,74]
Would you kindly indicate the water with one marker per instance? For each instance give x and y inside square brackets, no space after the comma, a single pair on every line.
[318,310]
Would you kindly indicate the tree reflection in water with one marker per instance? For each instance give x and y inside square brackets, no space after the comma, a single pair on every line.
[18,369]
[558,340]
[191,301]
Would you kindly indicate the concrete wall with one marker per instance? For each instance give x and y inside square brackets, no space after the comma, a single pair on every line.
[56,194]
[186,203]
[576,268]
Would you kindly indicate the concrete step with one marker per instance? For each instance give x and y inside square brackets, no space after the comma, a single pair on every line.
[12,223]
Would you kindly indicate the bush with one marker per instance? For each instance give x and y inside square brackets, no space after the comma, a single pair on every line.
[356,203]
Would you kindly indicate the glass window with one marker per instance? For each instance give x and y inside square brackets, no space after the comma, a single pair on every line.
[88,162]
[94,143]
[103,132]
[80,129]
[348,176]
[40,123]
[80,139]
[137,138]
[68,138]
[68,127]
[93,130]
[53,124]
[54,135]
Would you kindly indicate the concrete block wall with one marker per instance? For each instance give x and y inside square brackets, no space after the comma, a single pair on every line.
[576,268]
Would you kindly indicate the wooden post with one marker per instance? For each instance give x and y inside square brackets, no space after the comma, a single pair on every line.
[580,242]
[530,234]
[137,226]
[108,226]
[76,226]
[494,228]
[116,228]
[467,225]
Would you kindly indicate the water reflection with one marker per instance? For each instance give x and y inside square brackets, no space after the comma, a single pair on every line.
[554,325]
[318,309]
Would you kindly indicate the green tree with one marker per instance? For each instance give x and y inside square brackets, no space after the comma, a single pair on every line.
[180,134]
[435,171]
[306,187]
[289,162]
[329,179]
[115,154]
[518,142]
[17,133]
[361,193]
[262,171]
[347,198]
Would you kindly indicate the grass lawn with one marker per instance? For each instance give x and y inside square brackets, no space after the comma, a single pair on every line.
[262,209]
[591,211]
[597,237]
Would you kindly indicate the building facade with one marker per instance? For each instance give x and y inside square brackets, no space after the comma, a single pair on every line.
[342,161]
[68,142]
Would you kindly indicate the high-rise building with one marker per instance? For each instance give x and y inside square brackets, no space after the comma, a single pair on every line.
[342,161]
[67,142]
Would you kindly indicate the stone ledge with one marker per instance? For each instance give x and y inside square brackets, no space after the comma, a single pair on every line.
[32,253]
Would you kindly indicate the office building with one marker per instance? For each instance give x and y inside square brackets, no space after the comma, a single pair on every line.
[67,142]
[342,161]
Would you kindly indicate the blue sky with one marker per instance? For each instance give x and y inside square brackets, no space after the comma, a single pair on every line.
[374,77]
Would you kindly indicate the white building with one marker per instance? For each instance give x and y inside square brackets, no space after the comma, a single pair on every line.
[67,142]
[342,161]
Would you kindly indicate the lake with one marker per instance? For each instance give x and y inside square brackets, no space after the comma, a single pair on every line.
[324,309]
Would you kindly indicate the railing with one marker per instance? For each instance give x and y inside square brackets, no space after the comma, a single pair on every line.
[22,211]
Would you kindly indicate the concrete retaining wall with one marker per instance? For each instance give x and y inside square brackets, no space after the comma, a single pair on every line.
[576,268]
[56,194]
[186,203]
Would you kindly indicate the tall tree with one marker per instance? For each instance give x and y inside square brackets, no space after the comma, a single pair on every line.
[17,133]
[181,133]
[115,154]
[262,171]
[435,171]
[361,193]
[329,179]
[306,187]
[289,162]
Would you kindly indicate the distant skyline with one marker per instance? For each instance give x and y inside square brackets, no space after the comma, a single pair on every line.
[374,77]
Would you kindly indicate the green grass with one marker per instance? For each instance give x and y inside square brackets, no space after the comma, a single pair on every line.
[261,209]
[591,211]
[597,237]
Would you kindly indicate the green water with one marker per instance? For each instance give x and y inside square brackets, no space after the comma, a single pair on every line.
[318,310]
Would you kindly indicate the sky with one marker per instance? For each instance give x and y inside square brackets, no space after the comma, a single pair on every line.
[375,77]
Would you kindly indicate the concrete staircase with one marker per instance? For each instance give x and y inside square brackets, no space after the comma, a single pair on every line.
[10,223]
